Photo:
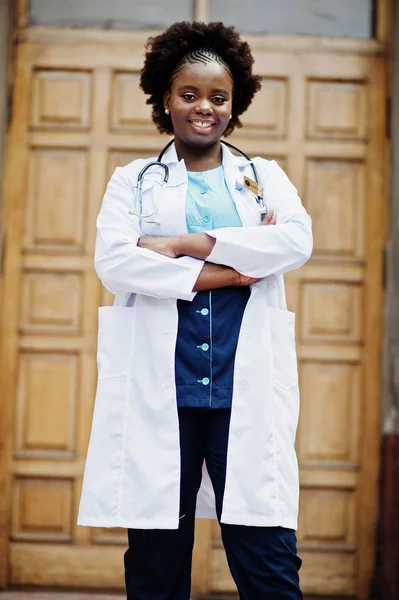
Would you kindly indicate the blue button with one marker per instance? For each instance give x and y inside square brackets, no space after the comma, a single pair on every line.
[204,311]
[205,347]
[205,381]
[206,219]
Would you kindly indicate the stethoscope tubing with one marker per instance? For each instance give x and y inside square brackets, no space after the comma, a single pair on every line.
[159,163]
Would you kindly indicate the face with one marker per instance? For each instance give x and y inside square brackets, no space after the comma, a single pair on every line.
[200,103]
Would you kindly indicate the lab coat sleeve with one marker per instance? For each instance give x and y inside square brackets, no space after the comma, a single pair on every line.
[122,266]
[260,251]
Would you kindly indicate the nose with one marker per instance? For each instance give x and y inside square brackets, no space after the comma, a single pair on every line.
[203,107]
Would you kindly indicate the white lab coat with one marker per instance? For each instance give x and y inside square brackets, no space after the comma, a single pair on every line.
[132,471]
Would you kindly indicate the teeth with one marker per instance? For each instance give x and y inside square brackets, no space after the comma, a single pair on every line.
[202,124]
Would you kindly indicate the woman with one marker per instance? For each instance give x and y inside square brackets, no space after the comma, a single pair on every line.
[196,359]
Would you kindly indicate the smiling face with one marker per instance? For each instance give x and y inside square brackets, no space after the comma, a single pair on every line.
[200,103]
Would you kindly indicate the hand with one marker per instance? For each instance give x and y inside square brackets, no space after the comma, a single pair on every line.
[245,280]
[214,276]
[159,244]
[269,219]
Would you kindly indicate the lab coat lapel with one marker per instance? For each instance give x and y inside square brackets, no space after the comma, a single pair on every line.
[177,168]
[234,169]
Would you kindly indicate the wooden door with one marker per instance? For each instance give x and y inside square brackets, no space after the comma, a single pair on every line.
[321,115]
[79,113]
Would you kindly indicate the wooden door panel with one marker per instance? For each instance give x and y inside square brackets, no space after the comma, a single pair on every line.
[97,566]
[46,405]
[328,431]
[42,510]
[328,517]
[267,115]
[56,199]
[337,109]
[80,114]
[331,312]
[50,303]
[339,218]
[128,111]
[61,99]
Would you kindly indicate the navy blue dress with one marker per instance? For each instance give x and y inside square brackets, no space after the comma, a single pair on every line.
[209,326]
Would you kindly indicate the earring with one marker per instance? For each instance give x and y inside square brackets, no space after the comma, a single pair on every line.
[166,111]
[231,116]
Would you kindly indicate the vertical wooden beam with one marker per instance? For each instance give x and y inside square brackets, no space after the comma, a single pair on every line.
[5,42]
[14,197]
[384,21]
[21,15]
[201,10]
[6,407]
[375,229]
[387,573]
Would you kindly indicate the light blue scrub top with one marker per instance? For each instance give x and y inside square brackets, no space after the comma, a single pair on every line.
[209,204]
[209,326]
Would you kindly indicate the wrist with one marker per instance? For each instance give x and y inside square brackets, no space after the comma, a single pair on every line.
[235,277]
[141,241]
[178,246]
[197,245]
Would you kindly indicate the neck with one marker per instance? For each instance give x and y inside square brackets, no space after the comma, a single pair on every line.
[198,158]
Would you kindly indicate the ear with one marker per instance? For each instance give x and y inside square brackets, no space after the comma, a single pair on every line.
[166,99]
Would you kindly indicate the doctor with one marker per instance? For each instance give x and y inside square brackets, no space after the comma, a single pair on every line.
[197,374]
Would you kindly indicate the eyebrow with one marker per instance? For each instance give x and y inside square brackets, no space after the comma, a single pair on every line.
[195,89]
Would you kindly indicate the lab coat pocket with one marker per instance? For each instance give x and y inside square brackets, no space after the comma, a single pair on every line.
[116,328]
[282,337]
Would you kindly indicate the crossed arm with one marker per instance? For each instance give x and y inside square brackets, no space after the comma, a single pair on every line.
[177,267]
[200,245]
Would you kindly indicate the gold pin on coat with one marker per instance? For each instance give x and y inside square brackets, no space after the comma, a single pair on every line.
[253,187]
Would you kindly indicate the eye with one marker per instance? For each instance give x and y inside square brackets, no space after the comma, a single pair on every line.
[189,97]
[219,100]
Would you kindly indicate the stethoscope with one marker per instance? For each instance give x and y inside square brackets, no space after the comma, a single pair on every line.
[158,163]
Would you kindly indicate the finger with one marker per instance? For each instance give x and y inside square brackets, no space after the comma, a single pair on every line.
[267,217]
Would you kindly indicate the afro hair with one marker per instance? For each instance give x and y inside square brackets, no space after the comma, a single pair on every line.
[193,42]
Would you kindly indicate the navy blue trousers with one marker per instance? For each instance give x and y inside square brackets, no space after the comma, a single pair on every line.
[262,560]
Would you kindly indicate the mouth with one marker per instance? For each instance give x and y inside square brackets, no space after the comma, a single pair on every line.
[202,125]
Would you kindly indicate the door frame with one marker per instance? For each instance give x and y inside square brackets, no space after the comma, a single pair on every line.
[6,54]
[377,185]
